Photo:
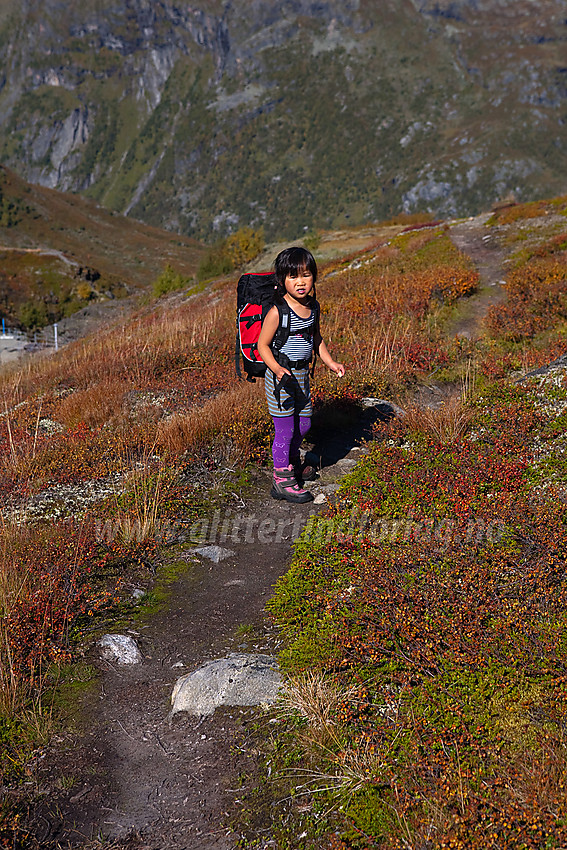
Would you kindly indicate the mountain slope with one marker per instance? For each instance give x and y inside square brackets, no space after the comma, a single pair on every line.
[59,252]
[288,116]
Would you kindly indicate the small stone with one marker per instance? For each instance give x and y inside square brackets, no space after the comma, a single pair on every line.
[137,593]
[48,426]
[346,462]
[214,553]
[327,489]
[121,649]
[386,408]
[319,499]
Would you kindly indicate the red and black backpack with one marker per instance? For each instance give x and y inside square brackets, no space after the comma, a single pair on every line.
[256,295]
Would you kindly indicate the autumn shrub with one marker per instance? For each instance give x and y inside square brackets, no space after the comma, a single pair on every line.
[437,584]
[536,299]
[244,245]
[49,576]
[498,361]
[513,212]
[556,245]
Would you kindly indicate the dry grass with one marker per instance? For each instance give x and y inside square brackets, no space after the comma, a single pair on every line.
[95,406]
[131,354]
[347,768]
[447,423]
[23,447]
[318,702]
[348,772]
[315,698]
[222,414]
[145,490]
[451,420]
[387,353]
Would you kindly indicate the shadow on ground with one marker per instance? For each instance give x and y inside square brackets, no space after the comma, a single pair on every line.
[339,427]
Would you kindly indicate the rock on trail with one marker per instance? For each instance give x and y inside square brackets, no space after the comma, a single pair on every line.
[238,679]
[120,649]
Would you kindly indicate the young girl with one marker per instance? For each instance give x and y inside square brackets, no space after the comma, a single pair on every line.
[287,371]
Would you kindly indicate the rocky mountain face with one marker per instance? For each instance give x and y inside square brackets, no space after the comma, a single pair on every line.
[203,117]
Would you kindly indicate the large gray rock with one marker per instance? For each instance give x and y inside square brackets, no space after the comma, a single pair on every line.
[238,679]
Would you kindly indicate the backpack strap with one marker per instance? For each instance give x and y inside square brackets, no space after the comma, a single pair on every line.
[281,335]
[237,353]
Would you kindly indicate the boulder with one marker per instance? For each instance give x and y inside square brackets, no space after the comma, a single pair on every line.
[238,679]
[214,553]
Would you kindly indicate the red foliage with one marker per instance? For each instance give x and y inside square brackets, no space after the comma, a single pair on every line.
[58,576]
[536,299]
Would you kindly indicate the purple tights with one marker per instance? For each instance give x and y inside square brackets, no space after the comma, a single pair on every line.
[290,431]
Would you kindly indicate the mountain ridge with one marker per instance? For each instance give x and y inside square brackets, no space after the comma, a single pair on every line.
[204,118]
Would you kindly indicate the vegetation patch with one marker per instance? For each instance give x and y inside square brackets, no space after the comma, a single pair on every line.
[436,584]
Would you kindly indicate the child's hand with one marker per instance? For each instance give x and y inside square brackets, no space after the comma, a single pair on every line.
[338,369]
[281,372]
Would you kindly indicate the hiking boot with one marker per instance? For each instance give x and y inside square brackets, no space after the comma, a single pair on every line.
[302,471]
[286,487]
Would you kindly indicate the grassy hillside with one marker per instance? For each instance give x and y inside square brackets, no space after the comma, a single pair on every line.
[59,251]
[434,653]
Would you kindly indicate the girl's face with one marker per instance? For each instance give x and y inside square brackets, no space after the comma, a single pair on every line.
[299,285]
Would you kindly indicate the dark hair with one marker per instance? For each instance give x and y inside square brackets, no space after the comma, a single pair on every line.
[291,261]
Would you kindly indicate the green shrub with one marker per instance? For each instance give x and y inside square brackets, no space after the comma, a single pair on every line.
[33,315]
[9,211]
[311,241]
[216,263]
[169,281]
[233,252]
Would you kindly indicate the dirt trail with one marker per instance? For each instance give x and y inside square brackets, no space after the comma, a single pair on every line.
[484,246]
[132,775]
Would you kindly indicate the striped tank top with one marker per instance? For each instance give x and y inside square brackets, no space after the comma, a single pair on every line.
[298,347]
